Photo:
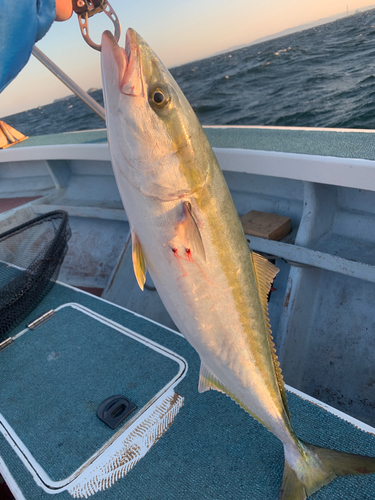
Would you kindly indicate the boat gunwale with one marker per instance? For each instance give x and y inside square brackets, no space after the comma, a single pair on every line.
[345,172]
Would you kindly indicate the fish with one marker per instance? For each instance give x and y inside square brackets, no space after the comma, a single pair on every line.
[186,233]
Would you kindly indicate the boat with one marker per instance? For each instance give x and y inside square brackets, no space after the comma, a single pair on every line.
[321,313]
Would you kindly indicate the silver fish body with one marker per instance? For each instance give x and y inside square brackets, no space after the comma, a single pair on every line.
[187,233]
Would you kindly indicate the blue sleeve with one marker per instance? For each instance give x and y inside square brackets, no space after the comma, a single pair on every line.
[22,23]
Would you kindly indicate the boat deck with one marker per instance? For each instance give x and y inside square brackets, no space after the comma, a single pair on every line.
[212,450]
[321,315]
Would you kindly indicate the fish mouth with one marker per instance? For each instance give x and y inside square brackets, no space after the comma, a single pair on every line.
[125,62]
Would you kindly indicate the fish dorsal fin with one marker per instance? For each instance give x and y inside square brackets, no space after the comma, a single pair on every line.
[265,273]
[188,231]
[208,381]
[139,262]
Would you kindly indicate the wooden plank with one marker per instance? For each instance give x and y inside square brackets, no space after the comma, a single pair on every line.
[265,225]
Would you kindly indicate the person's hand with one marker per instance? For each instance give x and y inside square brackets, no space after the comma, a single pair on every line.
[64,10]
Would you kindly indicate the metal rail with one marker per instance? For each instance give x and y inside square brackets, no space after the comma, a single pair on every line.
[78,91]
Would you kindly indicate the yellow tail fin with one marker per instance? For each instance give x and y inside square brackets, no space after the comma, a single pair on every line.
[318,467]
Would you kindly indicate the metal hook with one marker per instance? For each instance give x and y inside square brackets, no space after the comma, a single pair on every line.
[90,10]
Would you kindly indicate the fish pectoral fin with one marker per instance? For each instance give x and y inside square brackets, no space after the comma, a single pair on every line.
[188,231]
[139,262]
[208,381]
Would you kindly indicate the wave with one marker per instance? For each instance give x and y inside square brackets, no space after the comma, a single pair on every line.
[320,77]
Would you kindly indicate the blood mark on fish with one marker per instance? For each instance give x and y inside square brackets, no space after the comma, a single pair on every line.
[189,258]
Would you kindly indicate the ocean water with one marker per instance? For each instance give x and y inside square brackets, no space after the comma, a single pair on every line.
[319,77]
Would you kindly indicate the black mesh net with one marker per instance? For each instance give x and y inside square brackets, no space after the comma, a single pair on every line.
[30,259]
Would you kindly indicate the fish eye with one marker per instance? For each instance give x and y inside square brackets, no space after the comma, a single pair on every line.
[159,97]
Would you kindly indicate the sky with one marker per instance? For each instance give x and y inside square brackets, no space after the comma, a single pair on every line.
[178,31]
